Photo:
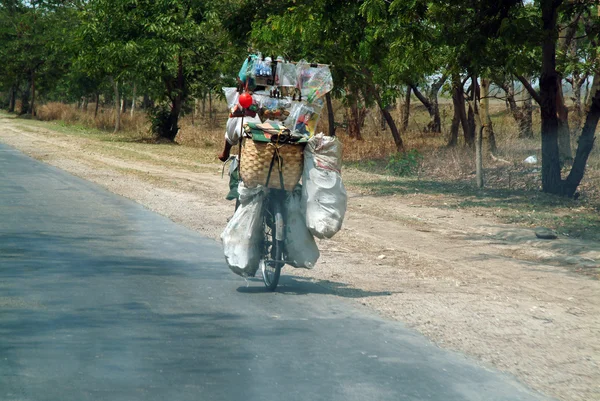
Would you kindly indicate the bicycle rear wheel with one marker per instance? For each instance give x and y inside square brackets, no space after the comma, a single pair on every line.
[273,244]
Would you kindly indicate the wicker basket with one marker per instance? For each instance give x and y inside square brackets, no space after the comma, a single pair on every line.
[256,162]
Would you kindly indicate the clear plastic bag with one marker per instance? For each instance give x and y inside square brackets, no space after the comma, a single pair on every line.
[313,81]
[274,109]
[303,118]
[301,248]
[318,83]
[324,197]
[243,236]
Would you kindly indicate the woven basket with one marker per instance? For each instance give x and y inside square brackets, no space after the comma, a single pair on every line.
[256,162]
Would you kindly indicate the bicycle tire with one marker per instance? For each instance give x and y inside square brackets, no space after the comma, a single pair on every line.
[272,262]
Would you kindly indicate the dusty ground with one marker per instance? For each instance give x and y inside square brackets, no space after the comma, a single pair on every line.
[489,290]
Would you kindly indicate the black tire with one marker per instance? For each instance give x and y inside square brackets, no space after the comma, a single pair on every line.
[273,248]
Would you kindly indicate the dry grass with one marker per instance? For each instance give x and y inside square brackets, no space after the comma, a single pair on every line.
[506,170]
[105,120]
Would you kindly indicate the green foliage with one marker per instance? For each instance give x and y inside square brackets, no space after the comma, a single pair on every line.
[402,164]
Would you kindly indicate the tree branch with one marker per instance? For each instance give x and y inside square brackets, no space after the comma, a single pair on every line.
[532,92]
[420,96]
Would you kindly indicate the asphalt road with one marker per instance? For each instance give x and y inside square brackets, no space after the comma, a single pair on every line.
[101,299]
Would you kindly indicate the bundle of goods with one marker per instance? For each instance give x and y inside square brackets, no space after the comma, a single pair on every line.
[277,152]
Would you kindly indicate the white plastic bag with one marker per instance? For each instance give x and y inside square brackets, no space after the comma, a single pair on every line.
[243,236]
[232,96]
[324,197]
[300,246]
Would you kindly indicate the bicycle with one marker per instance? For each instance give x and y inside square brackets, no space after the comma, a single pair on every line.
[273,246]
[273,219]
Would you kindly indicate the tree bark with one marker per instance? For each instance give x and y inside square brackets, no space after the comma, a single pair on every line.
[12,98]
[526,121]
[577,84]
[431,103]
[124,103]
[521,114]
[115,85]
[473,105]
[585,142]
[177,91]
[406,109]
[458,101]
[355,119]
[134,95]
[97,105]
[210,107]
[388,118]
[32,93]
[146,104]
[330,115]
[551,178]
[564,133]
[471,126]
[25,99]
[488,130]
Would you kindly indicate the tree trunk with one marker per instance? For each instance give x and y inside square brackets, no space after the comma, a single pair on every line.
[85,103]
[459,102]
[12,98]
[115,85]
[203,105]
[146,102]
[355,118]
[471,127]
[526,121]
[388,118]
[551,179]
[564,133]
[97,105]
[488,129]
[474,106]
[522,114]
[577,84]
[431,104]
[210,107]
[32,93]
[586,98]
[25,100]
[586,142]
[134,95]
[124,103]
[176,88]
[330,115]
[435,125]
[195,112]
[406,109]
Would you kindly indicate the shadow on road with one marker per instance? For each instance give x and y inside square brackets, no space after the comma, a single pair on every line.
[291,285]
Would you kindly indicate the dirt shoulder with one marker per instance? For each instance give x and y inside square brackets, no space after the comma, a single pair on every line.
[469,283]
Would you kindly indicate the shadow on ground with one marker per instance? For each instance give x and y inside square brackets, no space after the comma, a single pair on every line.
[575,218]
[293,285]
